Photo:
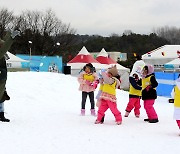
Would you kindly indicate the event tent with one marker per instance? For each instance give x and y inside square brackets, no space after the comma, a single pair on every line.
[174,64]
[81,59]
[162,55]
[84,57]
[103,58]
[43,63]
[14,61]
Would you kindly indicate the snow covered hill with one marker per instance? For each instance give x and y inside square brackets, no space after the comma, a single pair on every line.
[44,111]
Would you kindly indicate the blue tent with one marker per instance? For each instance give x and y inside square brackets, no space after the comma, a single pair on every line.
[51,64]
[43,63]
[166,82]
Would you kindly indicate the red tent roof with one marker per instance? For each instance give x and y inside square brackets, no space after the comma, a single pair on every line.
[103,58]
[83,57]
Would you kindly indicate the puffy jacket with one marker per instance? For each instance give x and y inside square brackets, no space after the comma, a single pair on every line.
[83,85]
[150,81]
[135,88]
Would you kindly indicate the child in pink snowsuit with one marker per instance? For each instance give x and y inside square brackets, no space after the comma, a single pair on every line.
[134,96]
[149,93]
[108,96]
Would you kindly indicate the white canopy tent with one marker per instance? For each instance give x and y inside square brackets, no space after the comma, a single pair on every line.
[103,58]
[161,55]
[84,57]
[173,64]
[14,61]
[81,59]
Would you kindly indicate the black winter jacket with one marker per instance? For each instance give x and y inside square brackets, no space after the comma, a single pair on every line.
[151,94]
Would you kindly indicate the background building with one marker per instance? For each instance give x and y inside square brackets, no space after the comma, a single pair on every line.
[114,55]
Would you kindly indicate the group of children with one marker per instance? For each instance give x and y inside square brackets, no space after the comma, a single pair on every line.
[142,86]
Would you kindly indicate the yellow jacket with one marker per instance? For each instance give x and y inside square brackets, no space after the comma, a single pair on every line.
[110,88]
[176,96]
[133,91]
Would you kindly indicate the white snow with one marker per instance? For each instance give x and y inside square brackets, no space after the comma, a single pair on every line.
[45,119]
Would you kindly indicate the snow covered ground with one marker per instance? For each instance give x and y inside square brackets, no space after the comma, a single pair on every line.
[44,111]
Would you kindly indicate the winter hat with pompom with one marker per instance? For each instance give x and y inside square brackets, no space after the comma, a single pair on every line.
[113,70]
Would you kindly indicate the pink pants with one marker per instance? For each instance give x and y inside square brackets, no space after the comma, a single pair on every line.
[134,103]
[178,123]
[148,106]
[105,104]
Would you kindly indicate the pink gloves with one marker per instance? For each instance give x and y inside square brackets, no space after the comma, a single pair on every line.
[93,84]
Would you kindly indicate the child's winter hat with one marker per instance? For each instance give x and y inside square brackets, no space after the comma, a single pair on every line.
[137,68]
[149,68]
[113,70]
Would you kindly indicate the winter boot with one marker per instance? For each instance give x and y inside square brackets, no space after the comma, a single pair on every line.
[126,114]
[83,112]
[147,120]
[2,118]
[153,120]
[98,122]
[93,113]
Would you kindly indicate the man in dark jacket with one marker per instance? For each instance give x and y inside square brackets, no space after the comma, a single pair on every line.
[5,45]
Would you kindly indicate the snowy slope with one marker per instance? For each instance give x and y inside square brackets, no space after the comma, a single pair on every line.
[44,111]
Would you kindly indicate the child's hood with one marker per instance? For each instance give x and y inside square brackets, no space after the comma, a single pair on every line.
[150,69]
[137,68]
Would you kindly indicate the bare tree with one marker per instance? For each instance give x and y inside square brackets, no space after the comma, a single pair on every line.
[44,23]
[172,34]
[6,18]
[44,29]
[127,32]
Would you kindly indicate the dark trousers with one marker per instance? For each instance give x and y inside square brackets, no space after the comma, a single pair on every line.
[84,97]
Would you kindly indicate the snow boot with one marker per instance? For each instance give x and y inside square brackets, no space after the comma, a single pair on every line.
[147,120]
[2,118]
[153,120]
[93,113]
[98,122]
[83,112]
